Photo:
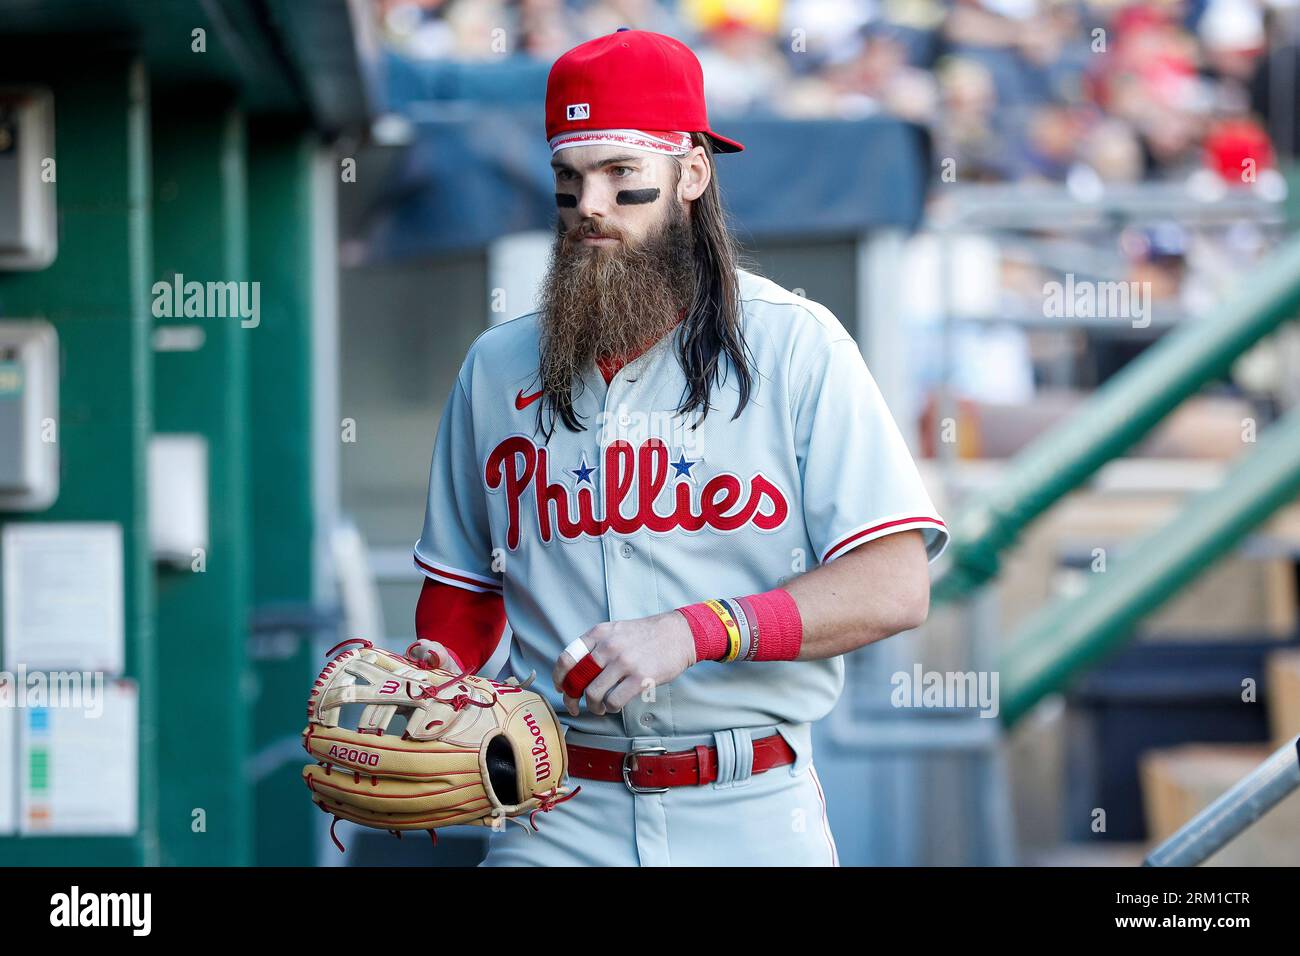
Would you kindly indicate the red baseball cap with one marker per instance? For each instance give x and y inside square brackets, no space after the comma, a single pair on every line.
[633,80]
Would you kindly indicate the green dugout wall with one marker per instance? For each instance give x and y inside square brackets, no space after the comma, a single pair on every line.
[200,231]
[218,168]
[291,220]
[95,296]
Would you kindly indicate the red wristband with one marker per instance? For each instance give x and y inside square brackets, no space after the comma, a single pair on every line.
[780,627]
[709,633]
[774,615]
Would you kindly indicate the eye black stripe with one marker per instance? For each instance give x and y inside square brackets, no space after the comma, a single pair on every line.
[636,197]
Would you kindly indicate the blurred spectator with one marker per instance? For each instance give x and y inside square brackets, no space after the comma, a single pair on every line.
[706,16]
[742,68]
[1238,150]
[1273,89]
[967,136]
[822,33]
[418,28]
[1232,33]
[1111,151]
[603,17]
[545,30]
[1156,257]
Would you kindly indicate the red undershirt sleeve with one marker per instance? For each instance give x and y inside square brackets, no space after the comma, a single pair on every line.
[467,623]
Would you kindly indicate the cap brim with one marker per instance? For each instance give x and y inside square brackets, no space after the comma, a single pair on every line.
[723,145]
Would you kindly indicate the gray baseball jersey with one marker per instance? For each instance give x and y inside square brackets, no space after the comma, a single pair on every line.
[642,512]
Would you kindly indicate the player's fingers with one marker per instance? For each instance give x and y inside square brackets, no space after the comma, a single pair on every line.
[432,653]
[576,656]
[571,705]
[571,654]
[621,694]
[601,685]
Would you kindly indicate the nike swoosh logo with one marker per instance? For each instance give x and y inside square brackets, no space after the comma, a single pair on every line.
[522,401]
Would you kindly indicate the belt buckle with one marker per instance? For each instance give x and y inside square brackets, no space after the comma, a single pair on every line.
[627,770]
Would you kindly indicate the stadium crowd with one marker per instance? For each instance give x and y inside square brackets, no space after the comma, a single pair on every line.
[1012,90]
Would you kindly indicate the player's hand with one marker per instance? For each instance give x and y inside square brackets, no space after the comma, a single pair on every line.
[634,656]
[434,654]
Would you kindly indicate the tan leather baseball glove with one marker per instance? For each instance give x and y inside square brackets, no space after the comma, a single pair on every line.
[469,750]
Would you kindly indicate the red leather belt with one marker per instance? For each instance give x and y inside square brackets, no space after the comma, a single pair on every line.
[655,770]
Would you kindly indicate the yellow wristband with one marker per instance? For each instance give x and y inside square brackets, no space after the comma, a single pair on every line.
[729,622]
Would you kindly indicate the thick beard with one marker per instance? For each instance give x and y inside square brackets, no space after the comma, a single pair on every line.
[609,302]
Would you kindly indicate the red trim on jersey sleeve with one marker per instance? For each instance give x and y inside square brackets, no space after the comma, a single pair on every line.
[461,579]
[467,623]
[880,530]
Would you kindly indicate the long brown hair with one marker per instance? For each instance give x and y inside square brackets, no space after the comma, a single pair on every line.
[712,327]
[711,337]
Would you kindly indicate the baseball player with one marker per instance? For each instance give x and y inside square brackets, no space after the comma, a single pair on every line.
[680,485]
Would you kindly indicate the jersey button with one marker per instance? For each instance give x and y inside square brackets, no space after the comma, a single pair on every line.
[626,551]
[647,719]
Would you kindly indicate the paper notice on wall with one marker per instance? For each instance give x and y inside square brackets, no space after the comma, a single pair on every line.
[8,758]
[77,765]
[63,596]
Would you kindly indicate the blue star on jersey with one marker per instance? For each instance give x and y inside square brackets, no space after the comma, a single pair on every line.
[584,471]
[683,466]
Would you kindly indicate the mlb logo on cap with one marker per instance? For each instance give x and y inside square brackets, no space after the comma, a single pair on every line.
[579,111]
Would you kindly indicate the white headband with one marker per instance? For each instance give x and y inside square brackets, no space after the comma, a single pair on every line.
[669,143]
